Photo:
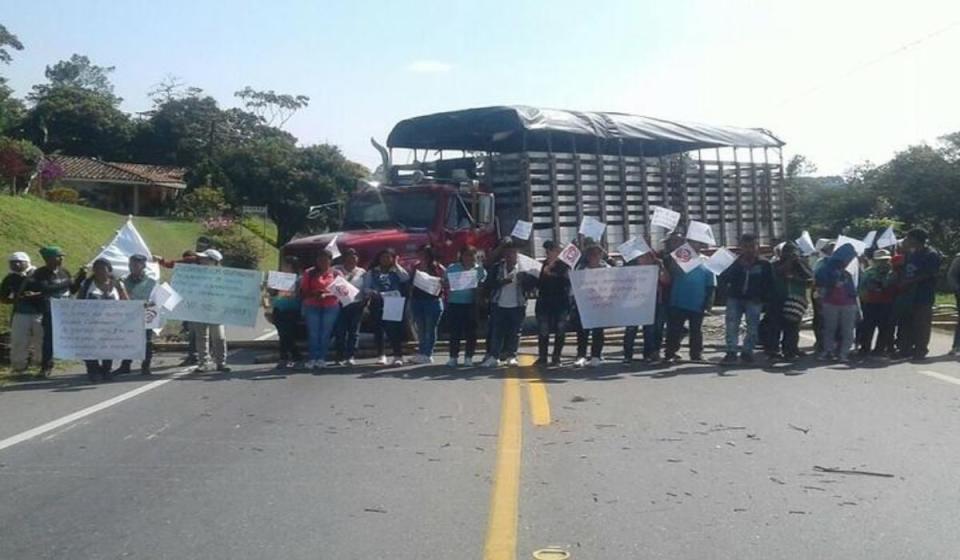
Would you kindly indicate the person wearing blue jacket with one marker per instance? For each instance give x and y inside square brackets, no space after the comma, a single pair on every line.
[384,278]
[838,294]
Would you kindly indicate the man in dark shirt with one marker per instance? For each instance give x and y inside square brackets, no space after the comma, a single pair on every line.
[26,330]
[51,281]
[553,305]
[748,283]
[920,272]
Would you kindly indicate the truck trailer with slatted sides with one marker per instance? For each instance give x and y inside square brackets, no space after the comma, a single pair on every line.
[470,175]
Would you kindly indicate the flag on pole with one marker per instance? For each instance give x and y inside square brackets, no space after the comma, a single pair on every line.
[126,243]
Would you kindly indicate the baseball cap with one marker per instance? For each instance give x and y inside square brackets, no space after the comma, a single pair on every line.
[51,251]
[139,257]
[19,256]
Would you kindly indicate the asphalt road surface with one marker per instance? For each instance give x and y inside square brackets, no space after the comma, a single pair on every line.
[425,462]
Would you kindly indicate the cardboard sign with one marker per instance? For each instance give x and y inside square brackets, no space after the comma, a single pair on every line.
[522,230]
[699,231]
[858,245]
[430,284]
[720,260]
[616,296]
[805,244]
[592,228]
[92,329]
[345,291]
[528,265]
[393,308]
[665,218]
[282,281]
[686,257]
[887,239]
[570,255]
[633,248]
[459,281]
[217,294]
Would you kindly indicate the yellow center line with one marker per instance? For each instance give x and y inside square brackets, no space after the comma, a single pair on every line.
[501,542]
[539,402]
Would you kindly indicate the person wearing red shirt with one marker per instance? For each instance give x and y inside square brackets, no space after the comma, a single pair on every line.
[320,308]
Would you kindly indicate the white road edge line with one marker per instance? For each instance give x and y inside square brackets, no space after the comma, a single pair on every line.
[54,424]
[940,376]
[267,335]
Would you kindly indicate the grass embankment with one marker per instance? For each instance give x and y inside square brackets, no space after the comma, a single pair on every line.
[28,223]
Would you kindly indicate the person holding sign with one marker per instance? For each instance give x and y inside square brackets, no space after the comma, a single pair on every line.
[285,313]
[210,338]
[593,258]
[100,286]
[553,304]
[320,308]
[347,330]
[507,286]
[691,296]
[385,279]
[426,302]
[462,304]
[51,281]
[840,305]
[653,333]
[791,276]
[747,283]
[138,286]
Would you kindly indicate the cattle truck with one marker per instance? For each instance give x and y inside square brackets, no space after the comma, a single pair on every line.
[471,174]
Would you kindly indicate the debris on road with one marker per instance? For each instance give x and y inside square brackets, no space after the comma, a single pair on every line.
[674,460]
[777,480]
[578,398]
[798,428]
[851,471]
[721,428]
[797,512]
[374,510]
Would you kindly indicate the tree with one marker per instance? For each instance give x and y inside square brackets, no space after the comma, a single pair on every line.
[78,122]
[79,73]
[8,40]
[171,88]
[18,162]
[274,108]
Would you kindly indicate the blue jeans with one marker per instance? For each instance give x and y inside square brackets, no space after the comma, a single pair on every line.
[652,335]
[507,322]
[320,322]
[736,309]
[347,330]
[426,317]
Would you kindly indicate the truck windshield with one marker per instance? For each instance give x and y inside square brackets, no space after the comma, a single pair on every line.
[385,209]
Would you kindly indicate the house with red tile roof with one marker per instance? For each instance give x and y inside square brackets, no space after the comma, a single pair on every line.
[126,188]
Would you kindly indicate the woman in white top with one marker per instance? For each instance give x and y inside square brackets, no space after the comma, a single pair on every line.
[347,328]
[101,285]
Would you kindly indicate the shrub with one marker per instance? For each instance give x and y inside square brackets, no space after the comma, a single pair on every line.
[240,249]
[65,195]
[202,203]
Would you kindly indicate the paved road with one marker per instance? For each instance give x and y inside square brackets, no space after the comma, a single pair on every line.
[428,463]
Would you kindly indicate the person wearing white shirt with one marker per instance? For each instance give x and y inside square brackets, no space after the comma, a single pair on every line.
[347,329]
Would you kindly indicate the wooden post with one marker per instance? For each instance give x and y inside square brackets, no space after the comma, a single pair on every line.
[722,191]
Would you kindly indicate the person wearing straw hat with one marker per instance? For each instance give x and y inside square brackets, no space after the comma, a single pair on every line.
[26,322]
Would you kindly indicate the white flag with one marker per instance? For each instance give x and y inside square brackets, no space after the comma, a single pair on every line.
[333,249]
[805,243]
[857,245]
[887,239]
[868,240]
[126,243]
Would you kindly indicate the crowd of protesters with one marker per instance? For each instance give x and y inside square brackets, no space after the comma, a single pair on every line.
[875,303]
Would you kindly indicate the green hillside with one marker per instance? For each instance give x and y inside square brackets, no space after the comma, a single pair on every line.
[28,223]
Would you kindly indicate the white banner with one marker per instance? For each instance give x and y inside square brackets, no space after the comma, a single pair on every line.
[522,230]
[217,294]
[460,281]
[665,218]
[870,238]
[616,296]
[282,281]
[93,329]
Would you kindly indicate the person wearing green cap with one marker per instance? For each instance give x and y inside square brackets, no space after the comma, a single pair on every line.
[51,281]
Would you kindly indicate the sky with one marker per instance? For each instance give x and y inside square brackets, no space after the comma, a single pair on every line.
[839,81]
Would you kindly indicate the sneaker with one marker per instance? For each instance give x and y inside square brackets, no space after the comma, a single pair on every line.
[824,357]
[671,358]
[540,362]
[469,361]
[223,368]
[383,360]
[201,368]
[398,361]
[774,358]
[338,363]
[490,362]
[595,362]
[513,362]
[580,362]
[351,362]
[319,364]
[121,371]
[45,372]
[189,361]
[729,358]
[453,362]
[746,357]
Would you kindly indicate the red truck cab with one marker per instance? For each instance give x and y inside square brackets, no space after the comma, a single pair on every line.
[447,216]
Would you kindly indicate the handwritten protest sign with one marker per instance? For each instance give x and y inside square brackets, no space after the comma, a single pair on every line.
[528,265]
[570,255]
[633,248]
[665,218]
[88,329]
[460,281]
[720,260]
[887,239]
[215,294]
[393,308]
[686,257]
[522,230]
[805,243]
[345,291]
[592,228]
[615,296]
[283,281]
[430,284]
[699,231]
